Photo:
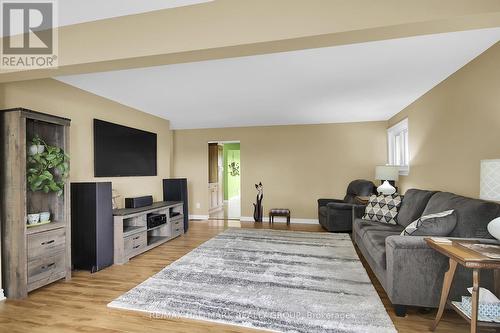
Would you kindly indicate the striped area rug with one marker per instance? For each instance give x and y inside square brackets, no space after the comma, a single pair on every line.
[267,279]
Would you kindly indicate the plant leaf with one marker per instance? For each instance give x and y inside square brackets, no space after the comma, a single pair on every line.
[48,175]
[54,187]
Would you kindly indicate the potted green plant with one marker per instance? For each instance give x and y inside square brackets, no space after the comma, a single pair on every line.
[47,168]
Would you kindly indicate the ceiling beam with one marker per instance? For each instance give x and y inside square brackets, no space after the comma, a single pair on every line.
[234,28]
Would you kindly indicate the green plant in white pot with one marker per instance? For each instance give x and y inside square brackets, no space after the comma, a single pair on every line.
[47,168]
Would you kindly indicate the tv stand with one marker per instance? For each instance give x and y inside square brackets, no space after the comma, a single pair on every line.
[132,236]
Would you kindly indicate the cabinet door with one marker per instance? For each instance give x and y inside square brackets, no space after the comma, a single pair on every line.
[213,163]
[213,196]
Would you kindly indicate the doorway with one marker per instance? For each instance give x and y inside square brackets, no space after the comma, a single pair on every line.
[224,191]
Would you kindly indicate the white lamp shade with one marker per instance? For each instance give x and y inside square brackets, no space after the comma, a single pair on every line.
[490,180]
[387,172]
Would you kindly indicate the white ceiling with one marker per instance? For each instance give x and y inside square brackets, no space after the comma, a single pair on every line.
[350,83]
[78,11]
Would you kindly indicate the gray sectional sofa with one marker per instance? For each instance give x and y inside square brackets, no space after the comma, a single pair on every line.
[408,269]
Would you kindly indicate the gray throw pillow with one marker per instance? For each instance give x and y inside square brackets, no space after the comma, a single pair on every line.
[440,224]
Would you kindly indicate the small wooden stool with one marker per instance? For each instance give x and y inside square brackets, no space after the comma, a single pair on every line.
[279,212]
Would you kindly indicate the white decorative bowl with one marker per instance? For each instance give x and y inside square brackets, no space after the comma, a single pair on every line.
[494,228]
[33,150]
[40,149]
[44,216]
[33,218]
[36,149]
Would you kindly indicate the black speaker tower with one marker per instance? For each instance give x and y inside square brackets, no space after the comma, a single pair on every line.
[175,189]
[91,226]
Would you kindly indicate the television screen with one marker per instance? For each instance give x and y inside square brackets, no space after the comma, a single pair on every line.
[121,151]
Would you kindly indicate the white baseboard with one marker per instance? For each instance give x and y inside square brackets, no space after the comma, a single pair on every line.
[2,296]
[198,217]
[277,219]
[280,219]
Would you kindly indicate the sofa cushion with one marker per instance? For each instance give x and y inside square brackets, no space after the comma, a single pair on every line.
[473,215]
[440,224]
[383,208]
[361,226]
[413,205]
[374,241]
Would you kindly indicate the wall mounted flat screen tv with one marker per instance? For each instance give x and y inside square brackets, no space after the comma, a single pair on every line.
[121,151]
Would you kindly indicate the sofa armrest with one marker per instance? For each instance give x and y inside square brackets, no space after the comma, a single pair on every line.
[415,272]
[358,211]
[324,202]
[340,205]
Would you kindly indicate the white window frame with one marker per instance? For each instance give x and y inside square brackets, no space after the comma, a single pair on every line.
[398,147]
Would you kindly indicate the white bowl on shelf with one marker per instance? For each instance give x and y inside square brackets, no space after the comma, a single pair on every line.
[33,218]
[44,216]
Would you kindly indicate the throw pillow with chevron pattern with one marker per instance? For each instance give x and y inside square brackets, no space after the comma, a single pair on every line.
[383,208]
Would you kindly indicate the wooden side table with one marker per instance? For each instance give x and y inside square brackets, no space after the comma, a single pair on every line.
[470,259]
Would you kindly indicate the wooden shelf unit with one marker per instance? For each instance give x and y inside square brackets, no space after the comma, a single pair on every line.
[130,230]
[36,256]
[132,236]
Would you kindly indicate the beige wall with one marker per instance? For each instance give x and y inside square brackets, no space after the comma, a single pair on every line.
[53,97]
[454,126]
[296,164]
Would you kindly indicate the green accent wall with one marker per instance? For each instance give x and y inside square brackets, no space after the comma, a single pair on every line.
[231,183]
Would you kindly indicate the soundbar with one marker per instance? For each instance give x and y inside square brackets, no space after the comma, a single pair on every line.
[138,202]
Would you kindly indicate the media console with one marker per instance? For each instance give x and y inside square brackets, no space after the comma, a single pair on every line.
[132,236]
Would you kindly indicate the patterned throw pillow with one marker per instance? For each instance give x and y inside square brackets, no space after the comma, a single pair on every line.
[440,224]
[383,208]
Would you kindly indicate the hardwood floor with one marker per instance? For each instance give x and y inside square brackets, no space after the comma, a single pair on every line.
[80,305]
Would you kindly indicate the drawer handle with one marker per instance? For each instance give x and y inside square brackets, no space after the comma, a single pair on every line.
[177,229]
[136,238]
[48,266]
[137,246]
[48,242]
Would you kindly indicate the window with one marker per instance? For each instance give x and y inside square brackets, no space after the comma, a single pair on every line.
[399,154]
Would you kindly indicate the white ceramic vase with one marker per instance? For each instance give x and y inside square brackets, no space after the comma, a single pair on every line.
[33,150]
[386,188]
[40,149]
[494,228]
[36,149]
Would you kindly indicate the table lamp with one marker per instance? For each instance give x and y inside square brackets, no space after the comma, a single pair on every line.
[490,190]
[387,174]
